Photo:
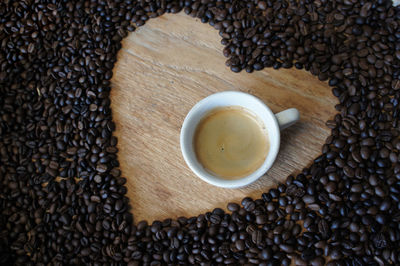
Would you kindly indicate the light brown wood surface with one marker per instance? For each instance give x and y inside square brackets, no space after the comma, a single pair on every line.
[163,69]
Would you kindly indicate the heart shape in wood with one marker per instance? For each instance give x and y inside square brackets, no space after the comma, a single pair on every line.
[149,112]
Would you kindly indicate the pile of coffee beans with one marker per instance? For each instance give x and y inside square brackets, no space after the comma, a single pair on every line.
[62,197]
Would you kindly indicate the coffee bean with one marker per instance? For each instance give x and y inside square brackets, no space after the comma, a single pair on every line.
[101,168]
[215,219]
[233,207]
[286,248]
[323,228]
[261,219]
[385,205]
[256,237]
[335,254]
[107,208]
[354,109]
[240,245]
[262,5]
[308,199]
[318,261]
[293,190]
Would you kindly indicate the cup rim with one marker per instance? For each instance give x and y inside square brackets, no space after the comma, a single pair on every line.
[206,176]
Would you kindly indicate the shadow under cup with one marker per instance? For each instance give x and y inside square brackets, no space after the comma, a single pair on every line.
[220,100]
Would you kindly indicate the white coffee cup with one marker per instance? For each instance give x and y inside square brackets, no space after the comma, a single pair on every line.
[273,123]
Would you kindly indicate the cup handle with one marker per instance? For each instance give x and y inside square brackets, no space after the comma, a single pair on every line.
[287,118]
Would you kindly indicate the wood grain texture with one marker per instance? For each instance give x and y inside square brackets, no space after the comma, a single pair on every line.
[163,69]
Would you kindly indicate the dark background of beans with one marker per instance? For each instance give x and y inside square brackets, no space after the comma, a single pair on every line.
[61,193]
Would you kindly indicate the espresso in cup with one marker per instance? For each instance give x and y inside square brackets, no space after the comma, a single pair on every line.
[231,142]
[231,139]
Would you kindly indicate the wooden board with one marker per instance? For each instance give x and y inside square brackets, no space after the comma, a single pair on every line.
[163,69]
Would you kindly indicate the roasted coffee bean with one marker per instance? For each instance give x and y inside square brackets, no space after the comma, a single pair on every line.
[286,248]
[248,204]
[233,207]
[323,228]
[240,245]
[318,261]
[256,237]
[261,219]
